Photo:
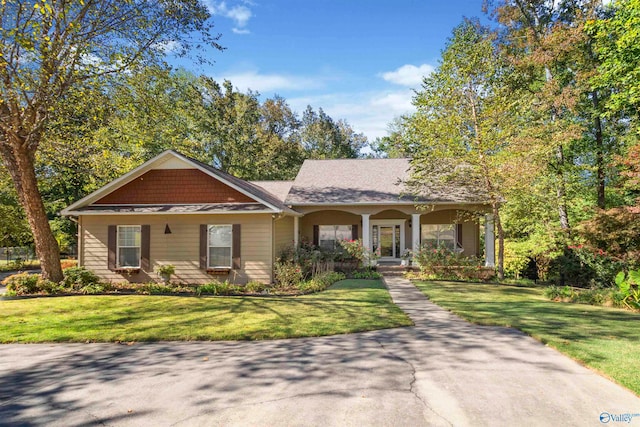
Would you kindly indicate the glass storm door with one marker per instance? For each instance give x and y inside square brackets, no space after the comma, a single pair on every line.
[389,241]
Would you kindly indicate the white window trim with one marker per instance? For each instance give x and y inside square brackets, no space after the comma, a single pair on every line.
[456,247]
[336,244]
[230,226]
[139,227]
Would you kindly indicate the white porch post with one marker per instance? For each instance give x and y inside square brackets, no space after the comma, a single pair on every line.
[415,232]
[366,232]
[489,242]
[296,231]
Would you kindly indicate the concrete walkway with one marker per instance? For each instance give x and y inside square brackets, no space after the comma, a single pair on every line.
[444,371]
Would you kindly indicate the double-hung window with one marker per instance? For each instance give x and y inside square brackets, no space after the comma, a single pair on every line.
[329,236]
[220,242]
[129,246]
[439,235]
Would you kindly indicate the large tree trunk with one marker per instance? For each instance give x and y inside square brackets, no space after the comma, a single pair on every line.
[20,164]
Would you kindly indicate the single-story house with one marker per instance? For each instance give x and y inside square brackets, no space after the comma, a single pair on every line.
[207,223]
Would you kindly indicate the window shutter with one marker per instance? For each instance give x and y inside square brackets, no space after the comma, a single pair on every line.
[354,231]
[316,235]
[145,247]
[236,247]
[203,246]
[459,235]
[112,237]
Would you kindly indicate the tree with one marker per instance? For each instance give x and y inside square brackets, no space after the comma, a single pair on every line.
[465,121]
[324,138]
[49,47]
[617,45]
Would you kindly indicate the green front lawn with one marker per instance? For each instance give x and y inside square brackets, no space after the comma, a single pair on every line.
[604,339]
[348,306]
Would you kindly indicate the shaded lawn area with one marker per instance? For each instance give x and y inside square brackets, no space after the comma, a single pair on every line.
[348,306]
[605,339]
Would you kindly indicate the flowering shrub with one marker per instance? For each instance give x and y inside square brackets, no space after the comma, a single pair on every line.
[445,263]
[288,274]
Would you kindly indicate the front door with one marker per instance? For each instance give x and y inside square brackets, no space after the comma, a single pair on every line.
[386,240]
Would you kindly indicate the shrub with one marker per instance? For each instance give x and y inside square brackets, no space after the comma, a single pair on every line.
[287,274]
[320,282]
[584,267]
[629,288]
[28,284]
[68,263]
[366,274]
[558,292]
[155,289]
[447,264]
[255,287]
[219,288]
[76,278]
[23,283]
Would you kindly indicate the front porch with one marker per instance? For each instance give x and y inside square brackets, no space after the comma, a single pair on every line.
[392,231]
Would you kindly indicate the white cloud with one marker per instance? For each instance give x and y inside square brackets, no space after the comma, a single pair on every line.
[408,75]
[269,82]
[239,14]
[367,112]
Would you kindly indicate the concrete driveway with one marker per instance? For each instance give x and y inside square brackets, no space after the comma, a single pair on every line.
[443,371]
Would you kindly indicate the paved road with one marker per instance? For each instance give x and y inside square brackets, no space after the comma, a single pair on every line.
[443,371]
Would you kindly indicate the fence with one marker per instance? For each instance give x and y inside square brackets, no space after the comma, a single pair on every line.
[11,254]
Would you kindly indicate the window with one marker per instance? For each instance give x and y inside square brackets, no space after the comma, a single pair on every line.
[129,246]
[220,239]
[330,235]
[439,235]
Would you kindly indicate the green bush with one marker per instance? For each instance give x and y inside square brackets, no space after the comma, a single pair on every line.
[155,289]
[591,296]
[25,284]
[366,274]
[219,288]
[559,292]
[255,287]
[320,282]
[77,278]
[288,274]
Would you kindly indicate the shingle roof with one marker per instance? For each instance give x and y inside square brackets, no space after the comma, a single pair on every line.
[367,181]
[280,189]
[350,181]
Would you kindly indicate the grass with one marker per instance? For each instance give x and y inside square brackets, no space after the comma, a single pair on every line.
[348,306]
[605,339]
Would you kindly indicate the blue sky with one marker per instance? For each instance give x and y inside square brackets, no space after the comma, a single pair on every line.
[357,59]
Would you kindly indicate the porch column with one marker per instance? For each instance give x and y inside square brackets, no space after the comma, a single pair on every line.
[366,233]
[489,242]
[415,233]
[296,231]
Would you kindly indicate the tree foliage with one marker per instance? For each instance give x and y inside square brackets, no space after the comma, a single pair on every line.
[49,47]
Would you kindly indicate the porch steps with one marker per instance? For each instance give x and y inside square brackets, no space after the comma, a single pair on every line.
[392,270]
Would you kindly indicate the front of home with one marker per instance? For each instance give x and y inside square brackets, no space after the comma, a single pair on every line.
[211,225]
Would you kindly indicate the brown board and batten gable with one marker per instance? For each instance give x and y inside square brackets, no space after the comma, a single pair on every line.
[174,186]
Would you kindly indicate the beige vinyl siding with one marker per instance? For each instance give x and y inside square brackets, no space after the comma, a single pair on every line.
[282,235]
[181,246]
